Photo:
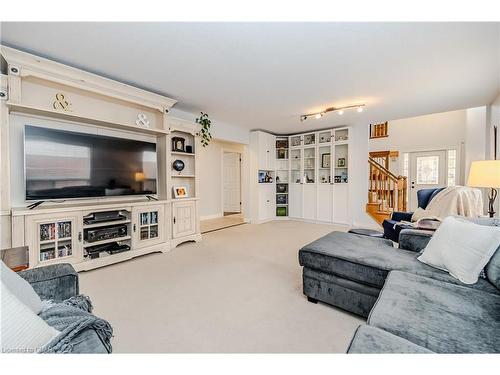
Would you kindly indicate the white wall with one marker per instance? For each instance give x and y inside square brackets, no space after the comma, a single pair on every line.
[219,130]
[476,134]
[210,177]
[358,176]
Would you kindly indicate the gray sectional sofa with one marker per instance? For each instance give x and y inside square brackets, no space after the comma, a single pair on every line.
[410,307]
[59,282]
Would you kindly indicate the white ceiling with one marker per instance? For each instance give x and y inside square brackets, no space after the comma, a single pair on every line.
[264,75]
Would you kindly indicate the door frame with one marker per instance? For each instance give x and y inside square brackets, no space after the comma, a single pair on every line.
[229,150]
[459,167]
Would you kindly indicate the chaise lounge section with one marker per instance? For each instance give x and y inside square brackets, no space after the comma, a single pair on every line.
[403,298]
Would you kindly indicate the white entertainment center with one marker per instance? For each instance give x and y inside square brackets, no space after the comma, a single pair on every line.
[40,92]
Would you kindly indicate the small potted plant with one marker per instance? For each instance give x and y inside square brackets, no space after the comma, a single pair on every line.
[204,133]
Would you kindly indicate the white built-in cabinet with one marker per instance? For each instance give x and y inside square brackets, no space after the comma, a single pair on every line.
[183,219]
[267,205]
[263,157]
[58,232]
[266,150]
[315,169]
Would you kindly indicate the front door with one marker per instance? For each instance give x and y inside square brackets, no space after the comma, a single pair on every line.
[232,184]
[426,170]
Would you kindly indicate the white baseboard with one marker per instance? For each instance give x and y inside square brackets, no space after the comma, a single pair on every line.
[214,216]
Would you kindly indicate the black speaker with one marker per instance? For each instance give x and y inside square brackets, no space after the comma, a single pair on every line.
[189,149]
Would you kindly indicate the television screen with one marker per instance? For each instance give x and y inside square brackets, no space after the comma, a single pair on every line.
[63,164]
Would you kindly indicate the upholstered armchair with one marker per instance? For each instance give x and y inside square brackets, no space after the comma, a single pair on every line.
[391,230]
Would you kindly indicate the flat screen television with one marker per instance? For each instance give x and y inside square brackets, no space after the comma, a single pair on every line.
[63,164]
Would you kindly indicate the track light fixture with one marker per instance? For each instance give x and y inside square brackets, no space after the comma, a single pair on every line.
[339,110]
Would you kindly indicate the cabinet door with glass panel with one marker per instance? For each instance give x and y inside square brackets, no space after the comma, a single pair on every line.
[296,166]
[309,165]
[148,226]
[54,238]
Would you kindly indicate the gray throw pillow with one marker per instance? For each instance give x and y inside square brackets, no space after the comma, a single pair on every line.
[492,269]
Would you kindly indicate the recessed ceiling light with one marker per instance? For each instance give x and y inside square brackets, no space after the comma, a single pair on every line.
[360,109]
[340,112]
[318,115]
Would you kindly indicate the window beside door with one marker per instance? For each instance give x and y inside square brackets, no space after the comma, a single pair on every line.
[452,167]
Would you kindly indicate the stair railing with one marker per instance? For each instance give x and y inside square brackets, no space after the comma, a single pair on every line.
[386,189]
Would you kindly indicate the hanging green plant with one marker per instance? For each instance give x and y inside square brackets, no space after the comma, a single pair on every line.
[204,133]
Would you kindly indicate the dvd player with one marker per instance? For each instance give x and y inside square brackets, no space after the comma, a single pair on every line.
[94,252]
[99,217]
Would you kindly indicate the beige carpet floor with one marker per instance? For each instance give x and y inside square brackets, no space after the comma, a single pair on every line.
[239,290]
[221,222]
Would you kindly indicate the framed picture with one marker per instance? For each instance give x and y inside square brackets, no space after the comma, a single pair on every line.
[262,176]
[281,211]
[281,198]
[338,179]
[180,192]
[281,188]
[341,162]
[178,144]
[325,160]
[281,154]
[282,143]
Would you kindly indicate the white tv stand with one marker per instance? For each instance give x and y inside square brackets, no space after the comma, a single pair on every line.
[56,232]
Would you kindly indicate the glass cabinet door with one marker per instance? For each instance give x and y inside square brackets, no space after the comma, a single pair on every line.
[296,141]
[295,166]
[325,137]
[324,165]
[147,225]
[55,240]
[309,165]
[309,139]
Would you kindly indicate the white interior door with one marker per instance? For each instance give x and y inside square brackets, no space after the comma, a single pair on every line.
[231,182]
[426,170]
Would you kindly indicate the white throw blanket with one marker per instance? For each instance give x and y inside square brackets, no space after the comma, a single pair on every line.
[453,200]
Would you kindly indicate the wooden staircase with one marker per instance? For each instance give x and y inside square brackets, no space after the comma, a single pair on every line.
[386,191]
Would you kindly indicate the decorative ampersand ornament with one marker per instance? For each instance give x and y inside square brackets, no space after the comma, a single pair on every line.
[142,120]
[61,102]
